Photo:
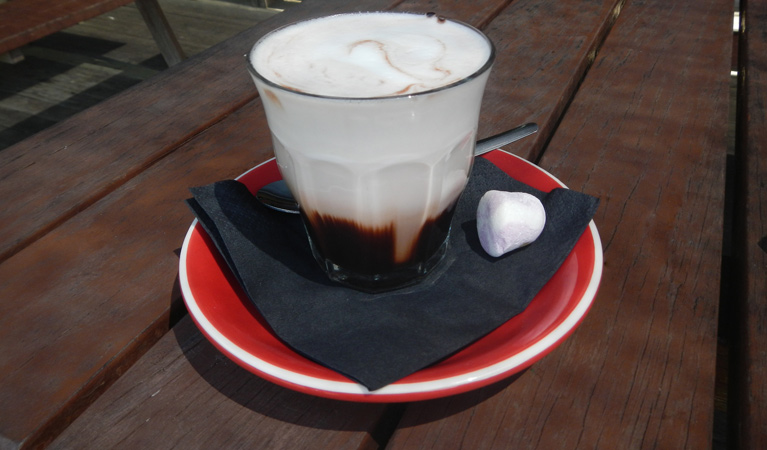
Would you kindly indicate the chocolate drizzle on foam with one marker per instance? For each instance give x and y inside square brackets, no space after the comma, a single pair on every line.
[386,54]
[381,46]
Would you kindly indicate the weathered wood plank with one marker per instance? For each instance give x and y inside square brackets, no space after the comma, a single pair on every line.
[82,303]
[749,386]
[544,77]
[186,394]
[645,133]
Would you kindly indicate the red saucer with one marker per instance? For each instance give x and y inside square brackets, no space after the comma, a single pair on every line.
[230,321]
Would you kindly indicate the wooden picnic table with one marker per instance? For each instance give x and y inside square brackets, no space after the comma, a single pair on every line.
[631,98]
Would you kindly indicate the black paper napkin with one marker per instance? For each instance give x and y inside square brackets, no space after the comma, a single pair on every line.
[377,339]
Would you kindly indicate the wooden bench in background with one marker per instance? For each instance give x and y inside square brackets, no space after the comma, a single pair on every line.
[24,21]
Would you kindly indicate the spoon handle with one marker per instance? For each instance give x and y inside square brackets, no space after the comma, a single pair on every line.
[277,195]
[507,137]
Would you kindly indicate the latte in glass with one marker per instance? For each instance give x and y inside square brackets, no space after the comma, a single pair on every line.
[373,118]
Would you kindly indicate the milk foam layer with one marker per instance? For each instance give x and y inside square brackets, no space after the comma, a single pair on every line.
[370,54]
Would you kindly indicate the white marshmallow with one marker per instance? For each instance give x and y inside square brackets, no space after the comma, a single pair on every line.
[508,220]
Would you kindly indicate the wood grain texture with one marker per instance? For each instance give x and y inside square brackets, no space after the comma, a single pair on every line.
[186,394]
[544,76]
[750,370]
[87,298]
[82,303]
[535,82]
[645,133]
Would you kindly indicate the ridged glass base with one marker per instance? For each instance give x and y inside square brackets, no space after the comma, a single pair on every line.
[377,283]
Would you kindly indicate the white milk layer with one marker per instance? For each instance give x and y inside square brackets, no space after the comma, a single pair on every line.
[386,161]
[370,54]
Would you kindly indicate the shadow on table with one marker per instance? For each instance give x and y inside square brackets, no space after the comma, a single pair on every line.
[270,400]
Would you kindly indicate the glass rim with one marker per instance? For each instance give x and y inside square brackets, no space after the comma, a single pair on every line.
[484,68]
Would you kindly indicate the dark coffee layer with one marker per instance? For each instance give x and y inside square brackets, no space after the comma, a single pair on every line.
[372,250]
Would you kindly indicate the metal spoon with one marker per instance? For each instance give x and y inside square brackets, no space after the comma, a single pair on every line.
[277,196]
